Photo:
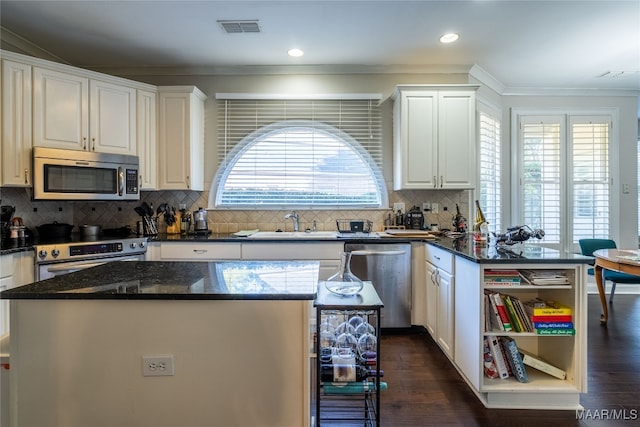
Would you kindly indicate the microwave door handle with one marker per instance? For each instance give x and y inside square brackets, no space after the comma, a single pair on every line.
[120,181]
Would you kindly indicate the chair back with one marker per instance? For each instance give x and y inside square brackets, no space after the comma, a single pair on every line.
[588,246]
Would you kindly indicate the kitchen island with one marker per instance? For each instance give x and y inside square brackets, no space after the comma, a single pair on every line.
[231,338]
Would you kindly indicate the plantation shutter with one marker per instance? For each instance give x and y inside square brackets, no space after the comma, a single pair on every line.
[541,178]
[565,183]
[590,182]
[490,171]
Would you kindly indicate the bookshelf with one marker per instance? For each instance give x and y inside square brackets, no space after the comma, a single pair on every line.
[567,352]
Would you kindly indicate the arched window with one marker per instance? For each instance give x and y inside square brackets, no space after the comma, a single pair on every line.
[300,164]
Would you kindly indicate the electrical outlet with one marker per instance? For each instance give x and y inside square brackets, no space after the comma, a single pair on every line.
[426,207]
[435,208]
[398,207]
[153,366]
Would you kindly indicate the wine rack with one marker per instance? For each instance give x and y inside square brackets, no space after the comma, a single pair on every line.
[348,385]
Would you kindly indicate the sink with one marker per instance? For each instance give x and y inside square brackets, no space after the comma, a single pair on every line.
[294,235]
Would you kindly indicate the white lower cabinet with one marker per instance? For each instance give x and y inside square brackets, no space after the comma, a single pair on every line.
[327,253]
[193,251]
[16,269]
[439,294]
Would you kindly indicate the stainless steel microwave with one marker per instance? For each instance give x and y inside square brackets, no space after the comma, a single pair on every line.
[60,174]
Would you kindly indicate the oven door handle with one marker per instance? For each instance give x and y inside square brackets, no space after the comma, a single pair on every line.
[66,268]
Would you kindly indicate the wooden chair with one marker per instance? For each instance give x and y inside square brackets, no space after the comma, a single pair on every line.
[588,246]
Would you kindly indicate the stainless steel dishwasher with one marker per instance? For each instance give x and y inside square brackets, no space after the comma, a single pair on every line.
[388,267]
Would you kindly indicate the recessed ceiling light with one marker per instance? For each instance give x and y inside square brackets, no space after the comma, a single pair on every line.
[295,52]
[449,38]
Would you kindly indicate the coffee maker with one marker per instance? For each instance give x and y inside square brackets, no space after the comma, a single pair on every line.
[200,225]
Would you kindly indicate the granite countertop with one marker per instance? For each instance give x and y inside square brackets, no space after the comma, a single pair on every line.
[151,280]
[503,254]
[10,246]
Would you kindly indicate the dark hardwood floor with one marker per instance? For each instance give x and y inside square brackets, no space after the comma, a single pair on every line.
[426,390]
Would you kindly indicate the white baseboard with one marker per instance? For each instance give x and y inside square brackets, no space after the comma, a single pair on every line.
[621,288]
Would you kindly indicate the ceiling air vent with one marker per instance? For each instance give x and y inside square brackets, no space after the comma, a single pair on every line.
[245,26]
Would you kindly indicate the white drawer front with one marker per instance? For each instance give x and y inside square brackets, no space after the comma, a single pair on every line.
[199,251]
[440,258]
[292,251]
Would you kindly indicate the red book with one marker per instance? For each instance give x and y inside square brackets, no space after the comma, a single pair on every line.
[559,318]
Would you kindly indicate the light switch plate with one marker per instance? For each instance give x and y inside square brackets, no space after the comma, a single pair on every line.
[426,206]
[398,207]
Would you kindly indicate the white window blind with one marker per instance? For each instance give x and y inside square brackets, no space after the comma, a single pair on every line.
[299,153]
[590,178]
[541,175]
[565,177]
[490,171]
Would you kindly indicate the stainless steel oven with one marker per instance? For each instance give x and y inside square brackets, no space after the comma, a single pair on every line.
[56,259]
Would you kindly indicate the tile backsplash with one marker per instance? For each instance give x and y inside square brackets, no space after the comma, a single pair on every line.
[117,214]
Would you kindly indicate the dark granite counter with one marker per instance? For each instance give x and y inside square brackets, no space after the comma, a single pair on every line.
[503,254]
[10,246]
[150,280]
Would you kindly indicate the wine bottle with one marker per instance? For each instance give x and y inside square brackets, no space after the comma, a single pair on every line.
[459,222]
[346,373]
[480,219]
[353,388]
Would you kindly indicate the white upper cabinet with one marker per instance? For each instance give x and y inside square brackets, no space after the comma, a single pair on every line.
[181,138]
[60,110]
[147,139]
[434,137]
[78,113]
[112,118]
[16,124]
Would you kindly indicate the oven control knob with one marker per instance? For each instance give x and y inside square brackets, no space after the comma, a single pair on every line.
[141,244]
[55,253]
[132,245]
[42,253]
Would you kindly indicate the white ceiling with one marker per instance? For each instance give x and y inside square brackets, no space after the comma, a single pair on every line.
[523,44]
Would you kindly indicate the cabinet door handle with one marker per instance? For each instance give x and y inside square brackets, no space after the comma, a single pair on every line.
[200,251]
[26,175]
[188,183]
[84,142]
[93,144]
[435,182]
[441,181]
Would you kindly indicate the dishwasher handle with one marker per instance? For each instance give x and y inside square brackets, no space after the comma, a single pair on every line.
[374,252]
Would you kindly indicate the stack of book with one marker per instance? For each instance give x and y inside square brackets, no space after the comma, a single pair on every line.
[544,277]
[501,277]
[503,359]
[506,313]
[550,317]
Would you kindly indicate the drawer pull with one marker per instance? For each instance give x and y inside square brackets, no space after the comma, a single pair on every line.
[200,251]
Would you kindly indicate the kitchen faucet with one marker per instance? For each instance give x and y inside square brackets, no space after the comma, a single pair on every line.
[294,215]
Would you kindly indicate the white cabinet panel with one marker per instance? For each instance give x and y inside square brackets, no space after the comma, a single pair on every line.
[16,124]
[60,110]
[112,118]
[181,138]
[146,140]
